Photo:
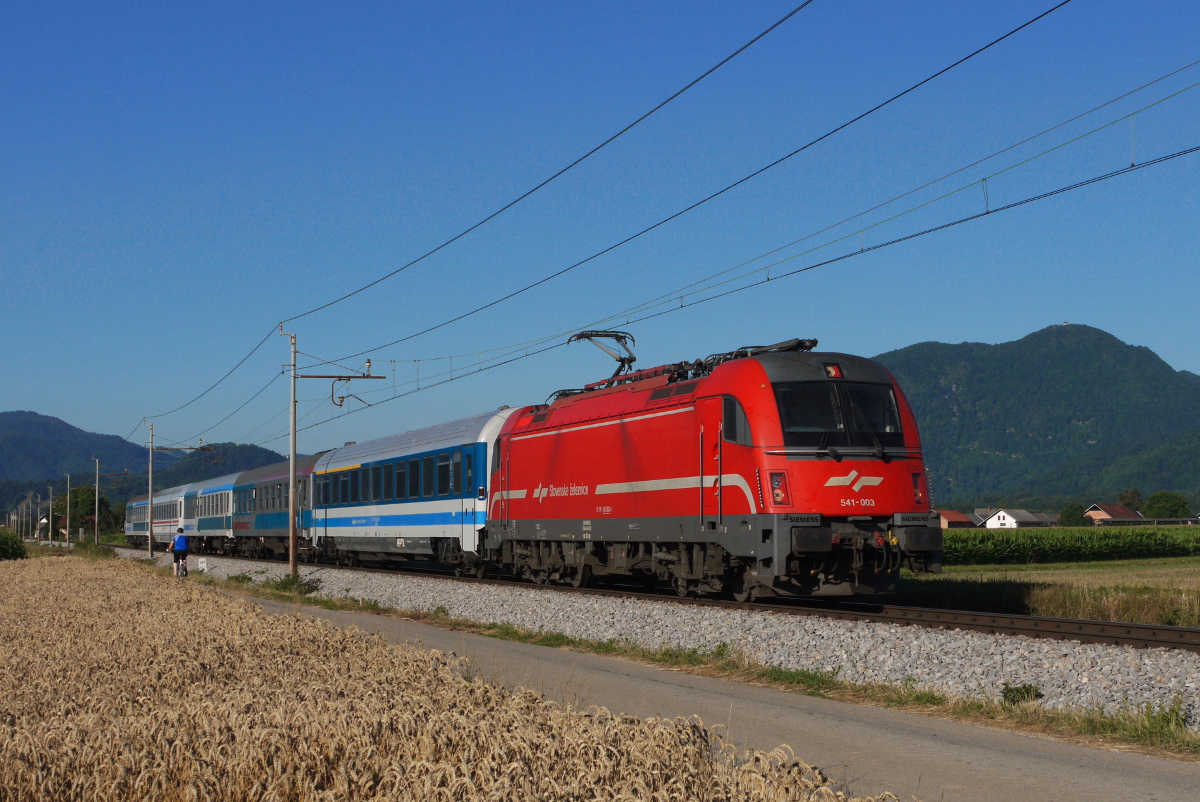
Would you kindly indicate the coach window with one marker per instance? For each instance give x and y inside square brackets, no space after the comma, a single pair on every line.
[443,474]
[414,478]
[401,480]
[736,426]
[387,482]
[428,476]
[469,471]
[353,488]
[344,498]
[456,473]
[376,483]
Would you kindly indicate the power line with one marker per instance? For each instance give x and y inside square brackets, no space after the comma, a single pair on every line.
[846,256]
[697,287]
[211,387]
[591,152]
[714,195]
[274,379]
[676,294]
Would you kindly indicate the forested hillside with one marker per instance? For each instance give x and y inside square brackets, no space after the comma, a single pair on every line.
[34,447]
[993,416]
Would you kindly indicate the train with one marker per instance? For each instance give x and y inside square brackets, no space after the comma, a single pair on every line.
[767,471]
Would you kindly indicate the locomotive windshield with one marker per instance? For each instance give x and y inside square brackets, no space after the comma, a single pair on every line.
[838,414]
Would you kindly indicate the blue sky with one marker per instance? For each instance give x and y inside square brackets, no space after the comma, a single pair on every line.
[175,180]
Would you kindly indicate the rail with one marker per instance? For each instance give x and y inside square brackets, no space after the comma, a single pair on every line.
[1113,633]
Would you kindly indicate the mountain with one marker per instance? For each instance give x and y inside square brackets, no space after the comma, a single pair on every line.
[225,458]
[992,416]
[37,450]
[34,447]
[1192,377]
[1150,464]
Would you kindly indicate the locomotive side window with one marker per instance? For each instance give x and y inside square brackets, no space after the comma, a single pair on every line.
[428,476]
[736,426]
[401,480]
[495,455]
[414,478]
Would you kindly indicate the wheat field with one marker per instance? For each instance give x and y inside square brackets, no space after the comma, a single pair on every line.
[122,684]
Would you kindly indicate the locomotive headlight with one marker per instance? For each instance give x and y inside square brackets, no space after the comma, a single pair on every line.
[919,491]
[779,489]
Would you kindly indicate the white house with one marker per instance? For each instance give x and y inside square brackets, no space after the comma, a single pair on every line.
[1017,519]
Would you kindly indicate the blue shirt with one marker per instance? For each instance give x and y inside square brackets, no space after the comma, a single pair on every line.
[179,543]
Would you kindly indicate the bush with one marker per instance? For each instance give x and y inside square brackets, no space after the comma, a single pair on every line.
[1065,544]
[11,546]
[1012,695]
[293,583]
[1165,504]
[1072,515]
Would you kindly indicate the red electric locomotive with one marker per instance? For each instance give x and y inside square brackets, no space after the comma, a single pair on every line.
[764,471]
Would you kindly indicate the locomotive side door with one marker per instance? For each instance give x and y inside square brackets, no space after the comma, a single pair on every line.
[708,419]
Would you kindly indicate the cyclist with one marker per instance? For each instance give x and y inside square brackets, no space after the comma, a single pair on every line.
[179,547]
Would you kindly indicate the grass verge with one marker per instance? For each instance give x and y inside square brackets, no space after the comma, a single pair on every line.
[1160,732]
[1165,592]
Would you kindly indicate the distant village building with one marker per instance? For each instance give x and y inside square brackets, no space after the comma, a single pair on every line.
[1018,519]
[953,519]
[1111,512]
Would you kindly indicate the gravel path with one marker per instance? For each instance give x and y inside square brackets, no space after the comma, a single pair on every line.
[1069,674]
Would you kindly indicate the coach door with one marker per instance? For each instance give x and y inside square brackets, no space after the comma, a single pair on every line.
[466,481]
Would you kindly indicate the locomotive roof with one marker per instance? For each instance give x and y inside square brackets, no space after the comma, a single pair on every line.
[810,366]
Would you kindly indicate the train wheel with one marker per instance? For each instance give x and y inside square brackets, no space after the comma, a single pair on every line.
[740,589]
[481,570]
[580,577]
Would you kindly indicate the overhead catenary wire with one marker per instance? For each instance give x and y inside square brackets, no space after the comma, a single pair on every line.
[714,195]
[559,173]
[261,390]
[704,285]
[211,387]
[691,288]
[843,257]
[499,211]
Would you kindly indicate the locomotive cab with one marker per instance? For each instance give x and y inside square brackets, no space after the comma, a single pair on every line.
[844,487]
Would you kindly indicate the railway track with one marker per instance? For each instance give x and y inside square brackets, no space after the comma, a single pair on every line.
[1138,636]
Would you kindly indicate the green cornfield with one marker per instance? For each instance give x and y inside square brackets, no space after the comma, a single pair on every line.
[122,684]
[1067,544]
